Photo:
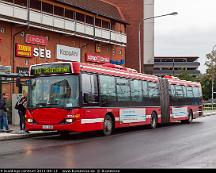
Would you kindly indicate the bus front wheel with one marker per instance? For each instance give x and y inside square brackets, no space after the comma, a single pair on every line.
[108,125]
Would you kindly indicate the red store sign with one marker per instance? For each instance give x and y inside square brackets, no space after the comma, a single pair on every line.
[97,59]
[39,40]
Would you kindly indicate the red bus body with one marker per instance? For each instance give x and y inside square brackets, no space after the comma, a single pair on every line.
[91,118]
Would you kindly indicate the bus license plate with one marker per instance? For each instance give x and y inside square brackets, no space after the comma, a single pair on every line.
[47,127]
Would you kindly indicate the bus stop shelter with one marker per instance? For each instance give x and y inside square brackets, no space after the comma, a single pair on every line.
[12,78]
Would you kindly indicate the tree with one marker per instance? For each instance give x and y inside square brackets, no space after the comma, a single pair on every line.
[184,75]
[206,79]
[206,86]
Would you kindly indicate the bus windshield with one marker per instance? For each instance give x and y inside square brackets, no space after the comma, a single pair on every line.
[54,91]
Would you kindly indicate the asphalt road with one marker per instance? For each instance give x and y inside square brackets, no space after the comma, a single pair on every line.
[174,146]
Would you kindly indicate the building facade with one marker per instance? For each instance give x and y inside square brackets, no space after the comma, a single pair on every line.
[176,65]
[39,31]
[140,48]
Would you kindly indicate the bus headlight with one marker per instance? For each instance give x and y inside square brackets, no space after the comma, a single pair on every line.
[29,120]
[69,120]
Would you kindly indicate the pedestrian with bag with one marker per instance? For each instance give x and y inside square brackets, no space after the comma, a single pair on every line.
[21,107]
[3,113]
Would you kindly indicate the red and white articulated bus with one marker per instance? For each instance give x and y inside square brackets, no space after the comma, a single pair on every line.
[79,97]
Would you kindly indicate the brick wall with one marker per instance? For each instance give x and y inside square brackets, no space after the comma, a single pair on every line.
[87,46]
[133,12]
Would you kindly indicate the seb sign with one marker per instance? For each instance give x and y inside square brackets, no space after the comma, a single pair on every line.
[97,59]
[29,51]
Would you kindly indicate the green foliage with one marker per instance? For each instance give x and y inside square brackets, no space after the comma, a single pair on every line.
[206,86]
[184,75]
[206,79]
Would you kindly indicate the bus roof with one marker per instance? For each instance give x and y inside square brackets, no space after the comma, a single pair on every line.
[116,70]
[177,81]
[111,69]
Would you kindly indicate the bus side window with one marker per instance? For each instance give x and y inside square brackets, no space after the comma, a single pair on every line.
[172,90]
[179,91]
[190,92]
[90,88]
[123,89]
[153,89]
[145,88]
[136,91]
[185,91]
[107,88]
[196,92]
[200,92]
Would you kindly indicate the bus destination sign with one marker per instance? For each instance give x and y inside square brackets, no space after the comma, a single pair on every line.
[46,69]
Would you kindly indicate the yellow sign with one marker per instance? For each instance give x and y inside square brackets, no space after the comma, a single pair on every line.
[24,51]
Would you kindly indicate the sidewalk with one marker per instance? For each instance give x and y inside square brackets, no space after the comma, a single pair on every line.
[16,134]
[209,112]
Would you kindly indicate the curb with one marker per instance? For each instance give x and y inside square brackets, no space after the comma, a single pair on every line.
[23,136]
[209,114]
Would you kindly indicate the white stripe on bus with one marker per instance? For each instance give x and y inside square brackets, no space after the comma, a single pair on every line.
[89,121]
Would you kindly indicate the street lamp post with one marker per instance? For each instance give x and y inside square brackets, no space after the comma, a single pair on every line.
[212,65]
[139,35]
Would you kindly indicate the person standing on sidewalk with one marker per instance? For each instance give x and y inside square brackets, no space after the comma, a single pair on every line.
[21,106]
[3,113]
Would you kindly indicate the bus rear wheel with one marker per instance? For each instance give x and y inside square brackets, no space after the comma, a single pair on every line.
[108,125]
[153,122]
[190,118]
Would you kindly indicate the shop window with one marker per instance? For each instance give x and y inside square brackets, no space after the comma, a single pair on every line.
[59,11]
[69,14]
[90,20]
[98,22]
[80,17]
[47,8]
[21,2]
[35,4]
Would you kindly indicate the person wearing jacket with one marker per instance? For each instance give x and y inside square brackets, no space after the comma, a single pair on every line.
[3,113]
[21,106]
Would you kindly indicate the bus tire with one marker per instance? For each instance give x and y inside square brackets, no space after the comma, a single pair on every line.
[153,121]
[108,125]
[190,118]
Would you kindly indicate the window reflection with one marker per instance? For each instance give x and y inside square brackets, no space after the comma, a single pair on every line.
[56,91]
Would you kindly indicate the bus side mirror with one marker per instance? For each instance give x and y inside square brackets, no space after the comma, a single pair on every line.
[86,97]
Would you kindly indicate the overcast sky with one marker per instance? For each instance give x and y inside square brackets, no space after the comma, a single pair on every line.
[190,33]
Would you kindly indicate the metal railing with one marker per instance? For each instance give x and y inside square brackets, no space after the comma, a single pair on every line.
[208,106]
